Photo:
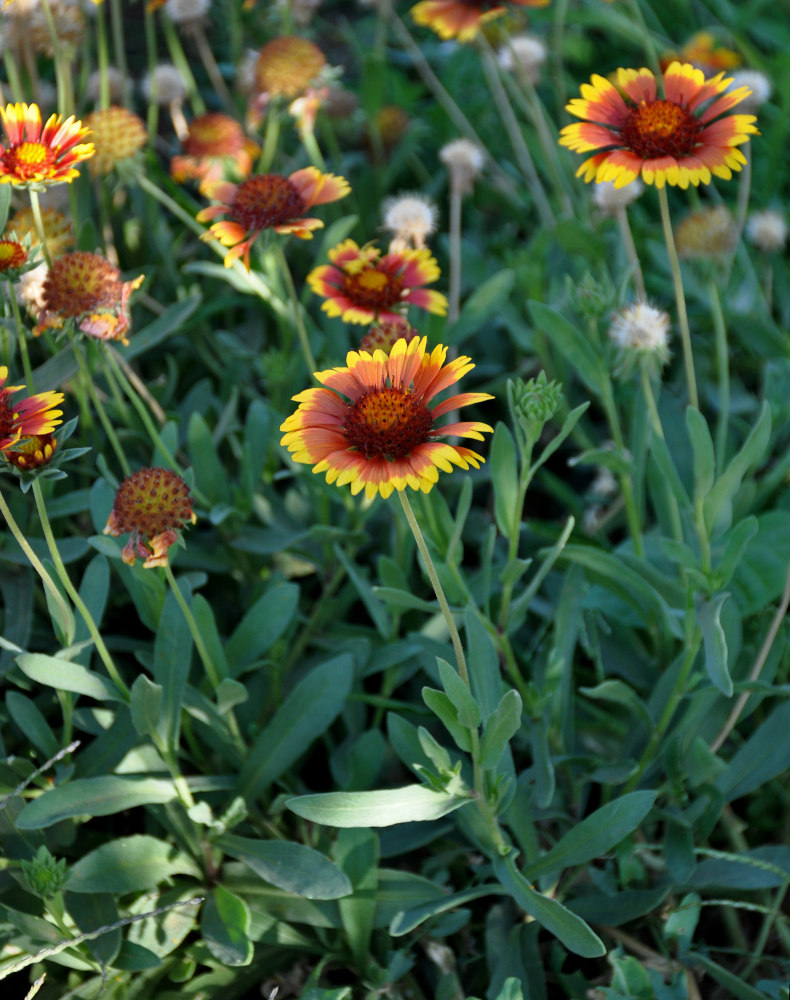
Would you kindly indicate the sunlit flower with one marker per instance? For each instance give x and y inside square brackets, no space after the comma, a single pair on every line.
[371,426]
[38,154]
[411,218]
[680,140]
[152,505]
[286,66]
[31,416]
[268,201]
[706,234]
[58,229]
[464,160]
[32,452]
[767,230]
[214,147]
[383,336]
[117,135]
[361,285]
[463,19]
[87,289]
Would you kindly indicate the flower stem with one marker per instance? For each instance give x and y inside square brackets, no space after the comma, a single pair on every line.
[65,611]
[680,297]
[722,371]
[298,318]
[74,594]
[203,653]
[21,330]
[98,406]
[35,208]
[630,251]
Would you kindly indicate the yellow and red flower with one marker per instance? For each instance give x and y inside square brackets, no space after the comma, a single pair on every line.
[268,201]
[28,418]
[13,257]
[86,288]
[680,139]
[381,437]
[152,504]
[215,145]
[361,286]
[41,154]
[463,19]
[33,452]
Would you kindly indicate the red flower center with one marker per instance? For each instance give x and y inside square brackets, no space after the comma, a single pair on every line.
[262,202]
[214,134]
[27,160]
[12,255]
[150,501]
[660,128]
[81,282]
[387,422]
[373,289]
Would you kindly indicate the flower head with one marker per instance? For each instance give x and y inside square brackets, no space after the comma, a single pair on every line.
[681,139]
[523,54]
[164,84]
[152,504]
[13,257]
[117,135]
[116,85]
[58,229]
[86,288]
[383,336]
[40,154]
[215,146]
[371,425]
[268,201]
[705,52]
[767,230]
[286,66]
[463,19]
[187,12]
[707,234]
[411,218]
[757,83]
[641,330]
[611,199]
[361,285]
[464,159]
[27,418]
[32,453]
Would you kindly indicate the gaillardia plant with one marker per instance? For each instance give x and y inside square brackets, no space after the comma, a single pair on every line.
[37,153]
[32,416]
[680,139]
[372,426]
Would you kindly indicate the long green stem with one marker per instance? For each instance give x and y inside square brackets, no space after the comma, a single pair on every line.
[626,486]
[181,63]
[211,670]
[298,318]
[35,208]
[64,610]
[99,407]
[632,256]
[21,331]
[73,593]
[650,45]
[680,297]
[722,371]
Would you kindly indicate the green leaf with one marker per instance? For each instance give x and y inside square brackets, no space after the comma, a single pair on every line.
[375,608]
[171,321]
[503,459]
[145,705]
[31,722]
[129,864]
[447,713]
[63,675]
[570,929]
[702,447]
[225,926]
[356,852]
[737,540]
[715,643]
[595,835]
[5,204]
[256,443]
[209,472]
[459,694]
[388,807]
[292,867]
[619,693]
[487,299]
[500,728]
[207,626]
[408,920]
[572,343]
[100,796]
[308,710]
[262,626]
[90,913]
[172,658]
[485,675]
[567,426]
[751,454]
[763,757]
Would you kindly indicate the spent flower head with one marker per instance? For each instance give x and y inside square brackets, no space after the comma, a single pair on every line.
[464,160]
[758,85]
[286,66]
[164,84]
[641,334]
[118,134]
[383,336]
[152,505]
[523,55]
[610,199]
[767,230]
[708,234]
[411,218]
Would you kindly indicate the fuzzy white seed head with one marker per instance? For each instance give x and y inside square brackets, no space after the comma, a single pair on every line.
[767,230]
[642,328]
[609,198]
[525,54]
[464,159]
[759,85]
[165,85]
[411,218]
[115,81]
[186,11]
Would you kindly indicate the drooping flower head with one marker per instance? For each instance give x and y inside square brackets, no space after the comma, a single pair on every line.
[117,135]
[268,201]
[680,139]
[463,19]
[40,154]
[362,286]
[215,147]
[27,418]
[370,425]
[286,66]
[152,505]
[87,288]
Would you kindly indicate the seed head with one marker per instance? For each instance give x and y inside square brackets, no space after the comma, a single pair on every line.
[767,230]
[464,160]
[523,54]
[411,218]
